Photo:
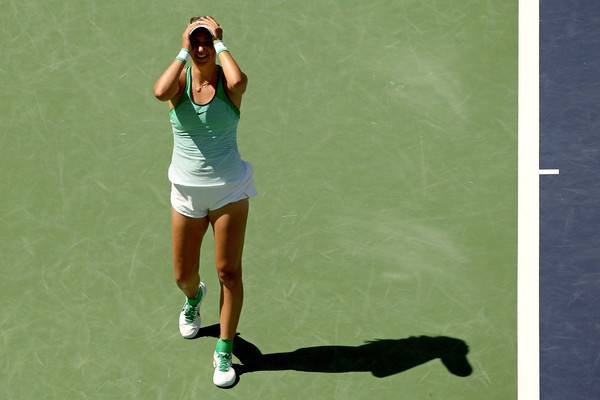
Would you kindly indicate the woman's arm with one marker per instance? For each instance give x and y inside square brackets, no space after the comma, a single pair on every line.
[236,80]
[168,84]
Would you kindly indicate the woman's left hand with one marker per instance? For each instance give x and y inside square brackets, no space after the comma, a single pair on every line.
[215,28]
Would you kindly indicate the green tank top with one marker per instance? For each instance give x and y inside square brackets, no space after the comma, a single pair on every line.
[205,151]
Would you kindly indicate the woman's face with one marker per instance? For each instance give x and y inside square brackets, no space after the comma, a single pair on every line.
[203,50]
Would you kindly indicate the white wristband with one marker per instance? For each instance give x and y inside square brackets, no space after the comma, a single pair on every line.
[220,47]
[184,55]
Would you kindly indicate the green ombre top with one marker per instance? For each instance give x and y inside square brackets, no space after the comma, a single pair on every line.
[205,151]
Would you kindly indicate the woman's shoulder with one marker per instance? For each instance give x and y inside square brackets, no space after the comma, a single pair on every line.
[183,76]
[182,85]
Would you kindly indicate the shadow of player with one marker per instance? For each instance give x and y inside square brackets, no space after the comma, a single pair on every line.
[382,357]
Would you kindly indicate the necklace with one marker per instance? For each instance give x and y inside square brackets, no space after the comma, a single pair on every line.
[205,84]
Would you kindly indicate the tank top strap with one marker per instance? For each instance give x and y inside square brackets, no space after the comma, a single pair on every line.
[188,82]
[222,93]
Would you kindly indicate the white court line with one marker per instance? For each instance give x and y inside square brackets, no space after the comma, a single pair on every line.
[549,171]
[528,300]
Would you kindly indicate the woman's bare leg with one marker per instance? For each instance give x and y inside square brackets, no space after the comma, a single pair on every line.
[229,224]
[187,234]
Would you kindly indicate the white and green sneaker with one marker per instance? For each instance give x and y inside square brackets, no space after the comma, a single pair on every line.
[224,373]
[189,319]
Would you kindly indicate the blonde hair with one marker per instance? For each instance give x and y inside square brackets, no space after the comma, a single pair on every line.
[196,18]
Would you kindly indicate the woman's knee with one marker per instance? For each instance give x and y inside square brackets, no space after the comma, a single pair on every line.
[184,276]
[229,275]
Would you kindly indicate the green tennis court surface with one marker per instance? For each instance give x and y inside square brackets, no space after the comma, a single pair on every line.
[384,141]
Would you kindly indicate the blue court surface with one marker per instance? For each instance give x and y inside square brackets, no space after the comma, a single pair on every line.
[570,200]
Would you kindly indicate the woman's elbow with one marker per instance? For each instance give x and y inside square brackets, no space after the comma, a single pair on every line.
[161,94]
[238,85]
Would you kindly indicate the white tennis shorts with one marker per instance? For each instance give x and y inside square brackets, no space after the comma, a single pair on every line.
[196,202]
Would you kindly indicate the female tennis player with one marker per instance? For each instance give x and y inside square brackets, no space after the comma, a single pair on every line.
[211,184]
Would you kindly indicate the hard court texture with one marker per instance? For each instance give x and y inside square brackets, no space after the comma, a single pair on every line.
[380,257]
[569,212]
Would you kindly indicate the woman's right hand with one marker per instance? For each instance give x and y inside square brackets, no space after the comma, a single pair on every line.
[185,39]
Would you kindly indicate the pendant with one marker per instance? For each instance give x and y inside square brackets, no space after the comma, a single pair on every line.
[205,84]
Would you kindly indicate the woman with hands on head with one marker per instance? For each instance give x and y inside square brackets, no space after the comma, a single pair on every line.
[211,184]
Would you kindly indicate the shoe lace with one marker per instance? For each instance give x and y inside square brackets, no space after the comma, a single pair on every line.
[224,361]
[190,313]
